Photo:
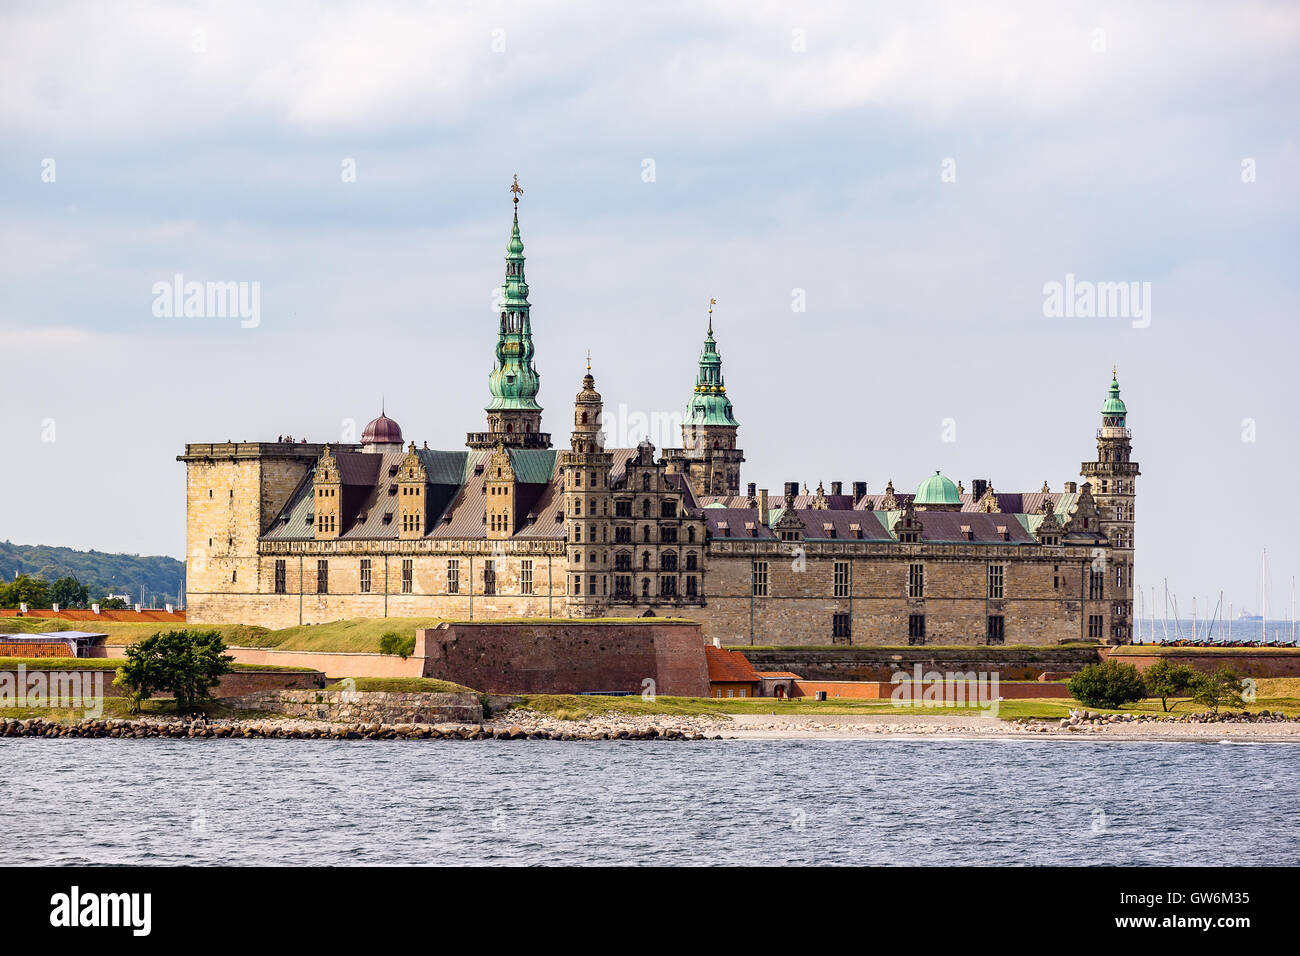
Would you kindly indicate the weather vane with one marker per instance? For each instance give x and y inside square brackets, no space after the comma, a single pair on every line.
[588,360]
[712,303]
[516,189]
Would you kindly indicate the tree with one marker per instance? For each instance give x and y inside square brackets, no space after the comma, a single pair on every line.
[1220,688]
[25,589]
[67,591]
[187,663]
[1110,684]
[394,643]
[1166,679]
[112,604]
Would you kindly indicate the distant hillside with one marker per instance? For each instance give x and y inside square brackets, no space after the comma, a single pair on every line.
[160,576]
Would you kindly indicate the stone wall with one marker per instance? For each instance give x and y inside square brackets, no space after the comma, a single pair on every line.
[879,664]
[333,664]
[234,684]
[1246,661]
[568,657]
[367,707]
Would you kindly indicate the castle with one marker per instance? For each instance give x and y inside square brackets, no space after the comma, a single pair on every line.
[284,533]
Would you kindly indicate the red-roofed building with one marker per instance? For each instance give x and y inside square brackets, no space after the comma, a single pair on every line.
[730,673]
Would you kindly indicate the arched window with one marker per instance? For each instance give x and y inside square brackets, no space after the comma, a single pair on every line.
[645,532]
[584,418]
[645,508]
[645,561]
[645,482]
[645,587]
[690,534]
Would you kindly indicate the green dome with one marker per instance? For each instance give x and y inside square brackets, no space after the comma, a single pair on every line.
[937,490]
[1113,404]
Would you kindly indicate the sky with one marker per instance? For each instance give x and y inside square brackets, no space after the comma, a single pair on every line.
[878,195]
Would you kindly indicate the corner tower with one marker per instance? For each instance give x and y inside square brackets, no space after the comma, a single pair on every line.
[1113,476]
[584,471]
[514,418]
[709,456]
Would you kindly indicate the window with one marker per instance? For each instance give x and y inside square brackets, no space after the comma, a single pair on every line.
[1094,626]
[996,632]
[623,561]
[1119,575]
[577,532]
[622,586]
[668,509]
[996,572]
[916,629]
[365,575]
[668,535]
[841,579]
[840,625]
[645,587]
[408,573]
[690,534]
[489,577]
[909,537]
[692,562]
[322,576]
[1056,577]
[667,586]
[692,586]
[622,509]
[1096,584]
[759,579]
[622,535]
[668,561]
[279,577]
[453,576]
[916,580]
[526,576]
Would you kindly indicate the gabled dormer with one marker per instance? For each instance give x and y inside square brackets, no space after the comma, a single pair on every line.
[327,497]
[1083,516]
[500,494]
[1050,529]
[412,496]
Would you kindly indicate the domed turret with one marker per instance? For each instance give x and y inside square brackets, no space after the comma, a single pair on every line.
[937,492]
[381,435]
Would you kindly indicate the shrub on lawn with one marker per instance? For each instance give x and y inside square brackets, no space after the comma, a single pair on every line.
[1110,685]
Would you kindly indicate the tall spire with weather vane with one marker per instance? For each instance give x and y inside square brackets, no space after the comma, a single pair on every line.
[514,416]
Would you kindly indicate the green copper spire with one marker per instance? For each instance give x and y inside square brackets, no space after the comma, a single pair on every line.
[514,380]
[1114,405]
[710,405]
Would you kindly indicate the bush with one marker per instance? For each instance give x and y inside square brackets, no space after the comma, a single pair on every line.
[187,663]
[1221,687]
[1110,685]
[1166,679]
[394,643]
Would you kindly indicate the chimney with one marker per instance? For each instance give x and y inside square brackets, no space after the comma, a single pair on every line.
[978,486]
[837,487]
[762,505]
[750,488]
[859,490]
[1071,487]
[791,489]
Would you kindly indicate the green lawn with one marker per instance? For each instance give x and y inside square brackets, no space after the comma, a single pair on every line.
[572,707]
[403,685]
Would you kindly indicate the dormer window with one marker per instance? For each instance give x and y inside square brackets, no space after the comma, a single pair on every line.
[855,530]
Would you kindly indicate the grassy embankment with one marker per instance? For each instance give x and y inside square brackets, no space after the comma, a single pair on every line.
[402,685]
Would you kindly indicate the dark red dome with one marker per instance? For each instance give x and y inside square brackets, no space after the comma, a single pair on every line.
[382,431]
